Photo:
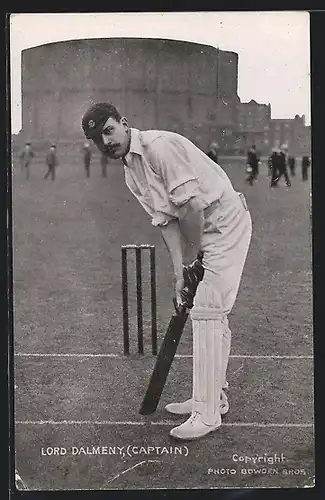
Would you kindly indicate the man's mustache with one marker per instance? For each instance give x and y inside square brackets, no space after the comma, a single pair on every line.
[110,149]
[104,148]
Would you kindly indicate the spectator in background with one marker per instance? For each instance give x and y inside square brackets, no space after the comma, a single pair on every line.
[269,164]
[26,157]
[86,157]
[213,151]
[279,166]
[283,164]
[292,165]
[305,164]
[104,163]
[274,163]
[252,165]
[52,162]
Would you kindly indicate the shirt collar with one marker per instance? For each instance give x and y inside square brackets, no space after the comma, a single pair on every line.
[135,144]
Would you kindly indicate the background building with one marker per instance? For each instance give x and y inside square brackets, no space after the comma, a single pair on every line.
[227,100]
[292,132]
[253,126]
[182,86]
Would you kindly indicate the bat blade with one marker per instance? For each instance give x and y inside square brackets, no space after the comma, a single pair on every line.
[163,363]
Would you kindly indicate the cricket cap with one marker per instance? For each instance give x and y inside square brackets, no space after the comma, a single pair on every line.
[96,116]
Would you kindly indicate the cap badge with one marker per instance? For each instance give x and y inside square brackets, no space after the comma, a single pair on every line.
[91,124]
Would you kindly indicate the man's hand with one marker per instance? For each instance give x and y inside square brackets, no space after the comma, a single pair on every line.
[179,286]
[186,288]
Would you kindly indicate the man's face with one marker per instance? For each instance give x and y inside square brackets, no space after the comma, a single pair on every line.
[116,138]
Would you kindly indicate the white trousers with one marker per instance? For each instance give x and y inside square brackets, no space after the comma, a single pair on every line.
[225,243]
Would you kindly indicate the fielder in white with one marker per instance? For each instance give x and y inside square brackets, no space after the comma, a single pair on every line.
[191,199]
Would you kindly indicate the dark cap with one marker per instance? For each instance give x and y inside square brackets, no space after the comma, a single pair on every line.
[96,116]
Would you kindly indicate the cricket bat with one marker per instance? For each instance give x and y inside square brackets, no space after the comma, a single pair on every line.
[164,360]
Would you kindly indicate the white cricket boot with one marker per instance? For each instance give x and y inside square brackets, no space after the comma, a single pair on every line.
[185,408]
[194,428]
[207,372]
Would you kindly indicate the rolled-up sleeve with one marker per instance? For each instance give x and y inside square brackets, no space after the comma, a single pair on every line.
[160,219]
[174,166]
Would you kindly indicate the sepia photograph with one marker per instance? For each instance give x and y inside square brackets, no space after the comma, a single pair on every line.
[162,279]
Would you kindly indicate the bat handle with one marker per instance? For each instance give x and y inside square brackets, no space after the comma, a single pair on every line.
[200,256]
[179,309]
[175,305]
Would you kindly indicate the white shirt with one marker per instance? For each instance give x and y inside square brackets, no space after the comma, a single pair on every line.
[164,170]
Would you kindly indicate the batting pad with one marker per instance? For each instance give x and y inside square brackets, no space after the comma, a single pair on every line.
[226,346]
[208,304]
[207,368]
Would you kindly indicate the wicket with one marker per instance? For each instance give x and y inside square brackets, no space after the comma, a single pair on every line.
[125,301]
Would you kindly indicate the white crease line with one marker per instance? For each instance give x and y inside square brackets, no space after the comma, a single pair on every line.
[79,422]
[89,355]
[68,355]
[163,422]
[248,356]
[127,470]
[244,424]
[275,356]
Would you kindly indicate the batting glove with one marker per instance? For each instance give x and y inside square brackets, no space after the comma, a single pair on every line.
[192,275]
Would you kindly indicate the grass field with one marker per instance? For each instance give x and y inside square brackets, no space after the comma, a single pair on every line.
[74,387]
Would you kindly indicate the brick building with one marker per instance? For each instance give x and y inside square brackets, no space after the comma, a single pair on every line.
[253,125]
[292,132]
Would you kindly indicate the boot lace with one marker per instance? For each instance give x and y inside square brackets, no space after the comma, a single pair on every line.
[195,416]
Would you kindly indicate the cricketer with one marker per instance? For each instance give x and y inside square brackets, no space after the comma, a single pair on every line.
[191,199]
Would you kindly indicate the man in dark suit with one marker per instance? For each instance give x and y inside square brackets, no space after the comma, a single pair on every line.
[26,157]
[305,163]
[252,165]
[279,166]
[292,165]
[51,161]
[104,163]
[86,157]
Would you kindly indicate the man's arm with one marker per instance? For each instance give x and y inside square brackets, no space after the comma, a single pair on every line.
[172,237]
[191,228]
[183,237]
[183,240]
